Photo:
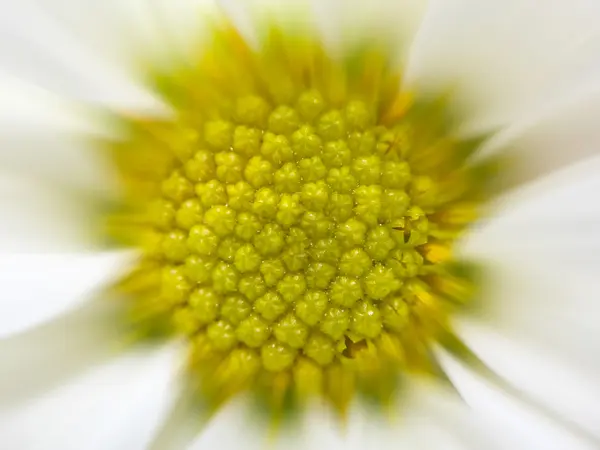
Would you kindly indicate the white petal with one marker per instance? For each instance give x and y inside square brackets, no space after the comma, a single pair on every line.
[531,427]
[112,407]
[52,181]
[119,29]
[237,423]
[430,417]
[38,217]
[110,28]
[37,287]
[554,217]
[183,23]
[350,22]
[47,355]
[60,160]
[234,424]
[468,428]
[568,390]
[124,35]
[152,410]
[542,264]
[552,139]
[37,48]
[26,106]
[71,334]
[229,428]
[509,56]
[537,323]
[46,137]
[250,16]
[181,423]
[341,23]
[451,423]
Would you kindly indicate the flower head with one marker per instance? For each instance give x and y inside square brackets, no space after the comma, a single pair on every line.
[296,216]
[302,211]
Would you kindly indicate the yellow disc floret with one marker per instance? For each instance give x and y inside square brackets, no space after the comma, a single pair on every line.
[296,217]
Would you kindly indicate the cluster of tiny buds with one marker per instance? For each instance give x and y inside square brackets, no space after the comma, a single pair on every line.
[289,229]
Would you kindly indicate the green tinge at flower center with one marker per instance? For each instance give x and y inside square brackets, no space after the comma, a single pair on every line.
[286,239]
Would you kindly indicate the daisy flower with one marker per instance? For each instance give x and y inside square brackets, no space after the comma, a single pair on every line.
[348,223]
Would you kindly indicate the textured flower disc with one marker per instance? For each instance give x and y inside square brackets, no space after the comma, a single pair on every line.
[296,217]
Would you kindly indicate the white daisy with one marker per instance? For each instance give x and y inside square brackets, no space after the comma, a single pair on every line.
[318,226]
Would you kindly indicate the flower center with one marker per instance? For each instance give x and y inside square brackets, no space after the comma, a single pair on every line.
[289,236]
[296,219]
